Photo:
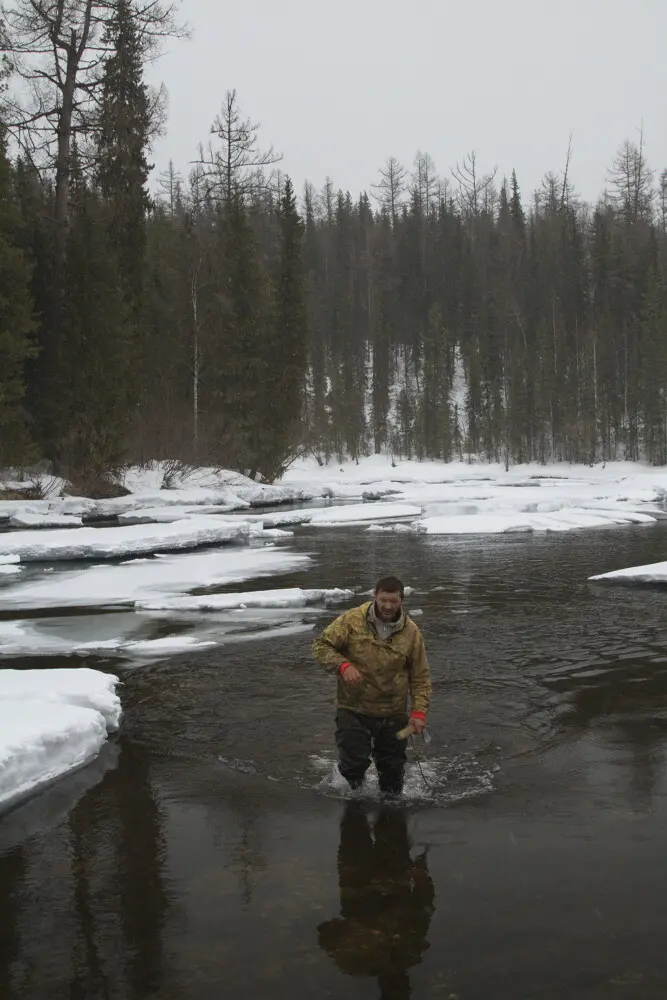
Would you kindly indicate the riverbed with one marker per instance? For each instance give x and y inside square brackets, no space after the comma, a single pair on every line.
[209,852]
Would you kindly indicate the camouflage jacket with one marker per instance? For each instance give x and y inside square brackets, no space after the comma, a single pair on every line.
[391,668]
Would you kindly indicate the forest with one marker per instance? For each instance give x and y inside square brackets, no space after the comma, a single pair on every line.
[226,319]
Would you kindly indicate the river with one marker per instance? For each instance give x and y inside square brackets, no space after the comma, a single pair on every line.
[208,854]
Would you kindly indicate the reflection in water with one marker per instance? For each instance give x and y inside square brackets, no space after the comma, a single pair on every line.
[144,900]
[386,901]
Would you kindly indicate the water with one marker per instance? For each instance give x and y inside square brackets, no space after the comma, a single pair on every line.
[210,852]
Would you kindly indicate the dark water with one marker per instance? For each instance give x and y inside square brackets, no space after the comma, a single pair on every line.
[204,854]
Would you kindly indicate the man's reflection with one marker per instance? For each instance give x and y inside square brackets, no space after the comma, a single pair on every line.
[386,901]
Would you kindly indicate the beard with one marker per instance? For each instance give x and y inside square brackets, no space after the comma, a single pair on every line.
[387,616]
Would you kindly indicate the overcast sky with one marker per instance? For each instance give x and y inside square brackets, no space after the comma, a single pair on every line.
[338,87]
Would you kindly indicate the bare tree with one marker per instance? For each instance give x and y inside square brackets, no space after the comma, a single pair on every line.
[391,187]
[171,187]
[473,186]
[236,166]
[632,182]
[57,50]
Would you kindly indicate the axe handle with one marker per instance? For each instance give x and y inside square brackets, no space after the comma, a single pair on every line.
[403,734]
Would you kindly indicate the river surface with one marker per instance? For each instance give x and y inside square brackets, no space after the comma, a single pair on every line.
[208,852]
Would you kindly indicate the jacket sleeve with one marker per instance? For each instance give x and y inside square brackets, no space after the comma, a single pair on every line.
[420,676]
[329,646]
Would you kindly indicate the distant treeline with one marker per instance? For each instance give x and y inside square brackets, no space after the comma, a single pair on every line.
[230,321]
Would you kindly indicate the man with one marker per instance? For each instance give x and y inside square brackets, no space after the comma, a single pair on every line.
[378,653]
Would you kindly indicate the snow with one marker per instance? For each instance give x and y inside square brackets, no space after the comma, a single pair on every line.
[156,578]
[4,560]
[219,485]
[70,686]
[236,485]
[26,520]
[51,722]
[287,598]
[651,573]
[9,570]
[114,543]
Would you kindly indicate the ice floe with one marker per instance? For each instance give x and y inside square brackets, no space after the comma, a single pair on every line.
[651,573]
[292,597]
[51,722]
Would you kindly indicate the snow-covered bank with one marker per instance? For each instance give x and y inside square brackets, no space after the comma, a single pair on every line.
[51,722]
[526,498]
[652,573]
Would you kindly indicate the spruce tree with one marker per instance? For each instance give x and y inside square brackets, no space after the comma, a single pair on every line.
[95,356]
[287,347]
[123,170]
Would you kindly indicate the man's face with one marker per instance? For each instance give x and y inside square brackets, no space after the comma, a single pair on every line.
[388,605]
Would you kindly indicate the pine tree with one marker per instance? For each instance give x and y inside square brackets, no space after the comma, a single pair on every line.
[17,322]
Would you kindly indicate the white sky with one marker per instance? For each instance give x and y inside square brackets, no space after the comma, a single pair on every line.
[339,87]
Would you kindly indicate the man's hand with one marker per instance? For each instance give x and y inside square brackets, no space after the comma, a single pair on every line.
[351,675]
[419,725]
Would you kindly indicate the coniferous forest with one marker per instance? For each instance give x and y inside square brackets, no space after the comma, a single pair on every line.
[224,318]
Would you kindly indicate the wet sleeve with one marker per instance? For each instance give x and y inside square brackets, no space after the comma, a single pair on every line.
[420,676]
[329,647]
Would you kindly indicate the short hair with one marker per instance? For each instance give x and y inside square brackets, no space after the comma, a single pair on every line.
[390,585]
